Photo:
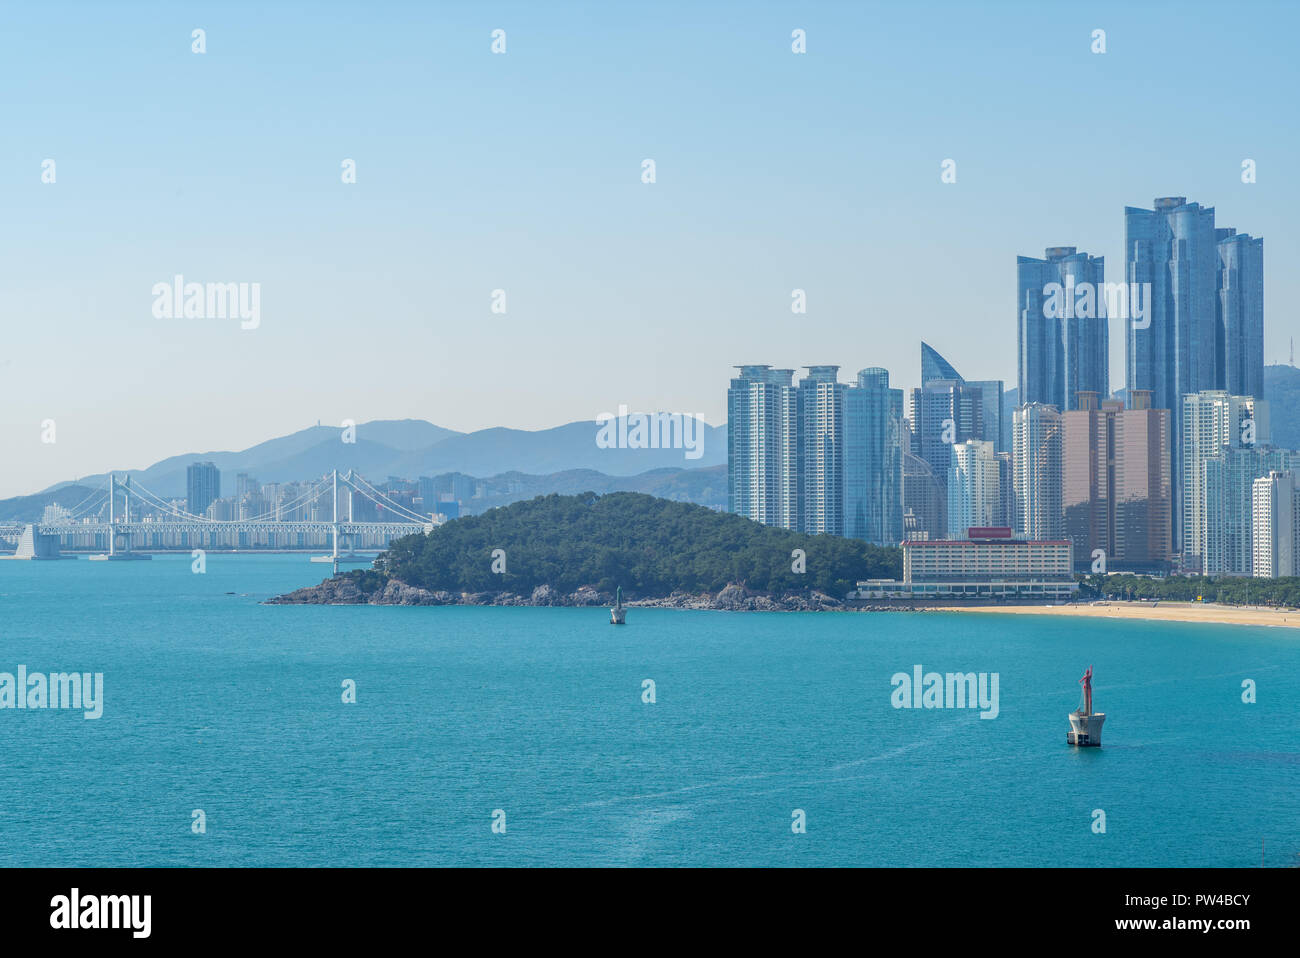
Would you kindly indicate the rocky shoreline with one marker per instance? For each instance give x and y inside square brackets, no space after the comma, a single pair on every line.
[733,598]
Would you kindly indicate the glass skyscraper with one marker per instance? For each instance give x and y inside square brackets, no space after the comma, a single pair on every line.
[1239,362]
[873,459]
[1205,315]
[1061,353]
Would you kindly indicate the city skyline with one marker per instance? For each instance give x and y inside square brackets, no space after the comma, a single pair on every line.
[470,179]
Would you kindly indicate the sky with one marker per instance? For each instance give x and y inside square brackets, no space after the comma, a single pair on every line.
[522,172]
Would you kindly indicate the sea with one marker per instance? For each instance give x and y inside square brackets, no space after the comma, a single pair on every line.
[235,733]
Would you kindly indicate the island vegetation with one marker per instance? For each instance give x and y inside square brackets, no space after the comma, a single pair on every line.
[650,547]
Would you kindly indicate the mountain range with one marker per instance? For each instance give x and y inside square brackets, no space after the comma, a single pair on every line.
[413,447]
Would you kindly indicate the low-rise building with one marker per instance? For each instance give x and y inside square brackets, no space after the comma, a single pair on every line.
[989,563]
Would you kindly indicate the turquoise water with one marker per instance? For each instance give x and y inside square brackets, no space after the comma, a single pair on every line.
[215,702]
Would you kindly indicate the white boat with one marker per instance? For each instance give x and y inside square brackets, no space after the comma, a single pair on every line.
[618,613]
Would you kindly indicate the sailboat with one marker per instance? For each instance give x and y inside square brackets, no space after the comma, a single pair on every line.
[1085,724]
[618,613]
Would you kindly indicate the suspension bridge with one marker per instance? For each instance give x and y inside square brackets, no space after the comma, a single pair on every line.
[108,521]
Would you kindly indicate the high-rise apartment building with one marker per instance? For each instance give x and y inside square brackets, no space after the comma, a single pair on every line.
[873,459]
[948,408]
[1006,516]
[1213,421]
[1273,525]
[820,445]
[1063,343]
[821,456]
[1203,327]
[1239,361]
[202,487]
[1228,481]
[762,421]
[972,488]
[1117,483]
[1036,441]
[925,499]
[1171,350]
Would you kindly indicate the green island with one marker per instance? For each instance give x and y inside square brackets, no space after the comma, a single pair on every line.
[577,550]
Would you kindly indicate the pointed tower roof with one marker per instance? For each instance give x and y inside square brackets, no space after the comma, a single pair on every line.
[934,366]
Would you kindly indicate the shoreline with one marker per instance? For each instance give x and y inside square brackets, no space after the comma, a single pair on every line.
[735,598]
[1208,613]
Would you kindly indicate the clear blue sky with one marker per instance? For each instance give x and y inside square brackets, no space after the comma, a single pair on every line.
[522,172]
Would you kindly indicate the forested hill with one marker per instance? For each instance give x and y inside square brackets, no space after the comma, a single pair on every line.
[651,547]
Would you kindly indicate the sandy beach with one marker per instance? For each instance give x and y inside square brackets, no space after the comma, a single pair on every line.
[1208,613]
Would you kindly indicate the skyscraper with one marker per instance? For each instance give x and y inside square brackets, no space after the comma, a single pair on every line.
[202,486]
[944,412]
[1273,525]
[1116,483]
[1227,546]
[820,443]
[1062,338]
[1174,249]
[924,498]
[762,420]
[1213,421]
[873,459]
[1203,327]
[1006,516]
[1036,438]
[974,406]
[1239,361]
[821,456]
[973,490]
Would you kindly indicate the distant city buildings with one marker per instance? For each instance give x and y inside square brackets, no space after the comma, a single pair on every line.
[1169,478]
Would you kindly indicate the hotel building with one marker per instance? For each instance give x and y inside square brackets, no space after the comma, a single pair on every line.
[988,563]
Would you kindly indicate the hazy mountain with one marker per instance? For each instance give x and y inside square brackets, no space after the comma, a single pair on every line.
[316,449]
[573,446]
[706,487]
[30,508]
[412,447]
